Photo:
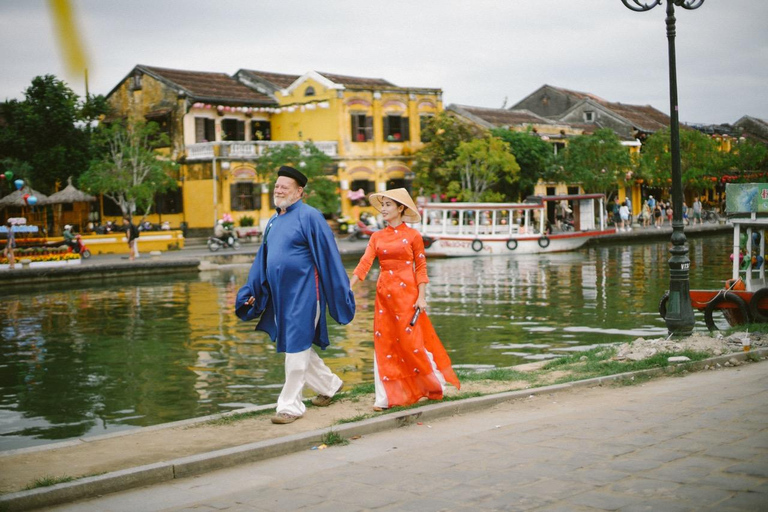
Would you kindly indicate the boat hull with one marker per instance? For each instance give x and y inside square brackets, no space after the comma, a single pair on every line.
[458,246]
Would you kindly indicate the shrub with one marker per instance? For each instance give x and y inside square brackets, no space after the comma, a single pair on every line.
[246,221]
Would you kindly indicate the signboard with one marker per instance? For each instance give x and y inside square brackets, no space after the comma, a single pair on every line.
[746,198]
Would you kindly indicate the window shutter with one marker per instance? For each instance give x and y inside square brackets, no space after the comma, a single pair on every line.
[405,128]
[353,118]
[386,127]
[210,130]
[368,128]
[240,128]
[199,129]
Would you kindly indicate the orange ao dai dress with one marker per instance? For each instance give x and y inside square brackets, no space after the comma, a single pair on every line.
[409,359]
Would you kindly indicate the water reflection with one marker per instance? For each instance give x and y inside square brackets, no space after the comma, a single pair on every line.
[95,358]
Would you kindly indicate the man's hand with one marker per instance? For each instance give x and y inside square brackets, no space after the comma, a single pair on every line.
[250,301]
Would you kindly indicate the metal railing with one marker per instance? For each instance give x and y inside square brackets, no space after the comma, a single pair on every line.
[248,150]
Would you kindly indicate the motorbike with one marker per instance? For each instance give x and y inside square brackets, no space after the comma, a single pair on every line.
[362,231]
[80,248]
[216,243]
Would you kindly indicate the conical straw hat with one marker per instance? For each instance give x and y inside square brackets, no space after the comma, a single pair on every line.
[411,213]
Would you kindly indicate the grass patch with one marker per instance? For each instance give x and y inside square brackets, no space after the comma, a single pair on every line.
[633,380]
[359,390]
[47,481]
[332,438]
[745,328]
[497,374]
[353,419]
[751,356]
[233,418]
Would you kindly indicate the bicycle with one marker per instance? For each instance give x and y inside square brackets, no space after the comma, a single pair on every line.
[710,216]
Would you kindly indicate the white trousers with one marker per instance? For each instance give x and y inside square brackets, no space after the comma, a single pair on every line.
[381,399]
[305,368]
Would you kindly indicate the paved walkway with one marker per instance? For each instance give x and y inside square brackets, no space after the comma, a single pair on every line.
[693,443]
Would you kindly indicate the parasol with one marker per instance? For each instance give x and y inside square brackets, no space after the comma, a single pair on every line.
[68,195]
[16,198]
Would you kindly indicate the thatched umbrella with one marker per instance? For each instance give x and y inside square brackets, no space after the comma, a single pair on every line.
[16,198]
[69,195]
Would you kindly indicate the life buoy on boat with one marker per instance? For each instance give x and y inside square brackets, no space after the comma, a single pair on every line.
[511,244]
[663,304]
[428,241]
[725,297]
[544,242]
[477,245]
[754,306]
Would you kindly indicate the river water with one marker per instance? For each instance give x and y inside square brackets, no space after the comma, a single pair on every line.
[98,358]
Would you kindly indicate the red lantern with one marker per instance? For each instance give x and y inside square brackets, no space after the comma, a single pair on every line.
[26,197]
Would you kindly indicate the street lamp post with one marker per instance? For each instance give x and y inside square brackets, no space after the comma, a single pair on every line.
[679,318]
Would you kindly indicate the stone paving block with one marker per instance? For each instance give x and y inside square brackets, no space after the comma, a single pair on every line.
[421,504]
[552,488]
[276,500]
[632,465]
[658,504]
[467,494]
[514,501]
[682,444]
[602,500]
[759,469]
[596,476]
[506,480]
[679,475]
[730,482]
[701,495]
[639,486]
[375,497]
[742,501]
[659,455]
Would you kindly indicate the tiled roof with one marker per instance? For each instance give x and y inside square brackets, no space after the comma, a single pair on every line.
[279,80]
[357,81]
[578,95]
[504,117]
[209,86]
[644,117]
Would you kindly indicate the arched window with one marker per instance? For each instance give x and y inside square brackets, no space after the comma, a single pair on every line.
[309,91]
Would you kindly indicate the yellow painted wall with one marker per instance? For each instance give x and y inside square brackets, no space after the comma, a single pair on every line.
[116,243]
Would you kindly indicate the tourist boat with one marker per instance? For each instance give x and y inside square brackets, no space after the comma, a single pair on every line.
[744,298]
[486,229]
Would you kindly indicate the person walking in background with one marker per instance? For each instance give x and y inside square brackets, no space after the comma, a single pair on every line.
[657,216]
[646,214]
[652,205]
[297,274]
[624,217]
[132,235]
[10,245]
[685,214]
[409,361]
[696,210]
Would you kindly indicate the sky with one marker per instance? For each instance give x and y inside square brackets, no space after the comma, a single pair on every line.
[486,53]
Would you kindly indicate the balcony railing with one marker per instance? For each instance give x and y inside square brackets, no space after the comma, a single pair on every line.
[247,150]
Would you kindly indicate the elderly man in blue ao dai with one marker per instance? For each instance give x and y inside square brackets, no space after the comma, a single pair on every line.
[296,275]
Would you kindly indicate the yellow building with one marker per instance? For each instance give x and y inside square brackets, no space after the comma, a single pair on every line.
[220,125]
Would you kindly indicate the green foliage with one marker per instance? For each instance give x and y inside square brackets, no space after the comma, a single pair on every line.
[598,162]
[433,164]
[127,169]
[246,221]
[700,158]
[321,190]
[46,137]
[332,438]
[480,164]
[534,156]
[497,374]
[47,481]
[747,155]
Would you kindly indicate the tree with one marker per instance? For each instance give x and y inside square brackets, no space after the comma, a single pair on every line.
[321,191]
[50,131]
[598,162]
[480,164]
[433,163]
[747,155]
[129,171]
[533,155]
[700,159]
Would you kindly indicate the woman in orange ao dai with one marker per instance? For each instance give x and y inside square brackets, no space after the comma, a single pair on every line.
[409,361]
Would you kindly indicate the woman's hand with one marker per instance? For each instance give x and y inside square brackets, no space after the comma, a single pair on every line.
[353,281]
[421,303]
